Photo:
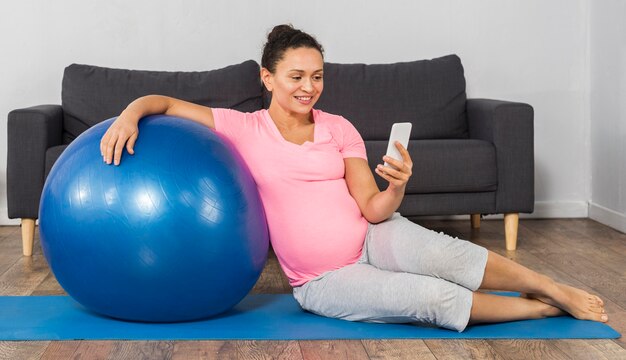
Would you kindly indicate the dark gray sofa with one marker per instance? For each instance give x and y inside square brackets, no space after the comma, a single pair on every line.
[471,156]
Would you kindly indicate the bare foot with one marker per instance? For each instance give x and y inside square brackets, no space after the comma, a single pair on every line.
[578,303]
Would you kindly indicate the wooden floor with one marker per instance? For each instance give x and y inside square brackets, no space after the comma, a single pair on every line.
[579,252]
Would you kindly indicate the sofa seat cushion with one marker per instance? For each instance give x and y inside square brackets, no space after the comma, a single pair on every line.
[91,94]
[444,166]
[449,204]
[428,93]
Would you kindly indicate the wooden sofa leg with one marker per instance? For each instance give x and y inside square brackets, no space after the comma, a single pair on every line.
[28,236]
[511,222]
[475,221]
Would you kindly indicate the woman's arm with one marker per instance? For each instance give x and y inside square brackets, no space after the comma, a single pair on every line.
[377,206]
[124,130]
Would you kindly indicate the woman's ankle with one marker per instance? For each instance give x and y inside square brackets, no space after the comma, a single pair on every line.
[548,310]
[547,286]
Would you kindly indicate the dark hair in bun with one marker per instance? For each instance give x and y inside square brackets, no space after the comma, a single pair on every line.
[282,38]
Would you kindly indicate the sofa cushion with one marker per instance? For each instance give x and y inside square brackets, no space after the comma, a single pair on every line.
[444,166]
[449,203]
[92,94]
[428,93]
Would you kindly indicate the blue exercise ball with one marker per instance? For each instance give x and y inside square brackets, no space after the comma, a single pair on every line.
[176,232]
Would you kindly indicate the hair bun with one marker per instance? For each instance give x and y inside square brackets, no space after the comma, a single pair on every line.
[281,32]
[284,37]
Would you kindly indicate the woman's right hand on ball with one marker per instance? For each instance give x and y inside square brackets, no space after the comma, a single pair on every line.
[123,131]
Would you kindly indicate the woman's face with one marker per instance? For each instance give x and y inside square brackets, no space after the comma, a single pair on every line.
[297,82]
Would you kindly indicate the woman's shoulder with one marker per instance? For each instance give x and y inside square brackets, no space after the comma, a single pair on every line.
[232,113]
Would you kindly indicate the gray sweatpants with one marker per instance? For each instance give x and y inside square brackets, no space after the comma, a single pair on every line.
[407,273]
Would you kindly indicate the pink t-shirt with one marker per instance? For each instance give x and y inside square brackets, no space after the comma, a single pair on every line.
[315,225]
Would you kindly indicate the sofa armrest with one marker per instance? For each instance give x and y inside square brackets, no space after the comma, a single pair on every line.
[31,131]
[509,126]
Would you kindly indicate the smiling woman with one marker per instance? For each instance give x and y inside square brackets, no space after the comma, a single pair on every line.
[296,85]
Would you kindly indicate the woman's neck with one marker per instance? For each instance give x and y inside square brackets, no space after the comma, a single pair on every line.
[288,120]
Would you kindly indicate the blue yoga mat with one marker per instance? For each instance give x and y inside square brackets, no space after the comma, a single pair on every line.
[257,317]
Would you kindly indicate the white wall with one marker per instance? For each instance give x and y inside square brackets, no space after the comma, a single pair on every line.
[608,112]
[529,51]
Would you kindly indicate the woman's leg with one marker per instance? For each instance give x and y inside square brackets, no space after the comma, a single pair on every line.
[488,308]
[402,246]
[504,274]
[362,292]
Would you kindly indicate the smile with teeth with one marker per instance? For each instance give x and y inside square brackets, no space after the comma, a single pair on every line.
[304,98]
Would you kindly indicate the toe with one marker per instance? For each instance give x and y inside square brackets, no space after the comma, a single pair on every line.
[596,317]
[597,300]
[596,309]
[600,301]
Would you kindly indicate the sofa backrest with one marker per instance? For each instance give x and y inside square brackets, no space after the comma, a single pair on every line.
[428,93]
[91,94]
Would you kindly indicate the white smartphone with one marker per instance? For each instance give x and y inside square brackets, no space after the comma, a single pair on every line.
[399,132]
